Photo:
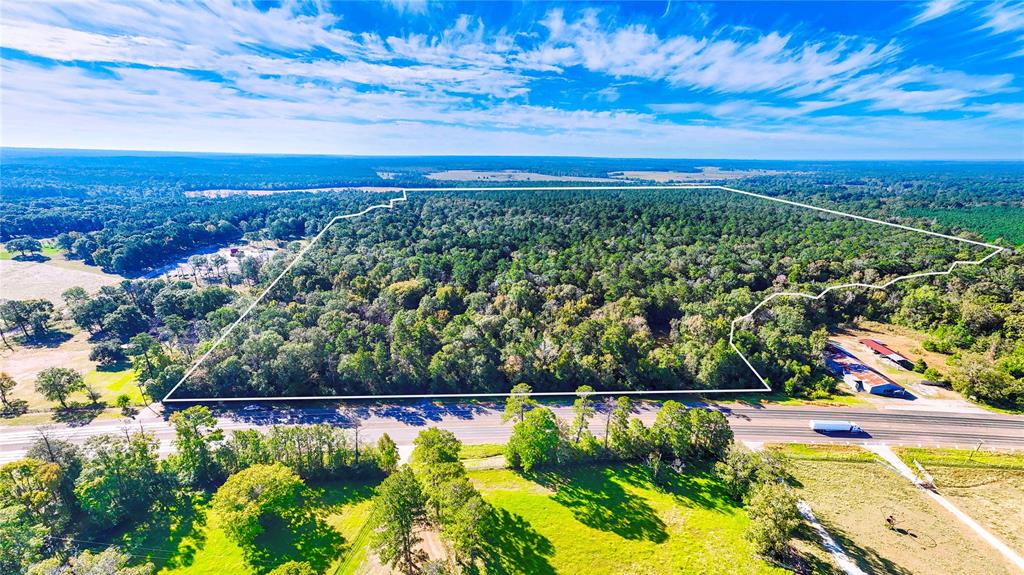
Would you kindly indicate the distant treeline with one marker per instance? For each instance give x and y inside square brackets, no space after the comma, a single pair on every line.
[131,234]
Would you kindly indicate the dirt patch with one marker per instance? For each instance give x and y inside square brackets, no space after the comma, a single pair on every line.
[431,544]
[902,340]
[992,497]
[907,343]
[48,279]
[706,173]
[853,500]
[181,268]
[507,176]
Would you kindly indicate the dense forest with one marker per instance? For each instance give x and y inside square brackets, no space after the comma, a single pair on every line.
[476,292]
[129,213]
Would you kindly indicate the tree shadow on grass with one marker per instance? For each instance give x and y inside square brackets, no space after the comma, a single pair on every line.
[120,365]
[172,533]
[302,536]
[809,563]
[695,486]
[31,258]
[511,545]
[52,338]
[597,500]
[17,407]
[336,495]
[77,414]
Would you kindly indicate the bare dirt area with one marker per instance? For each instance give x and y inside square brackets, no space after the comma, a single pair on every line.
[430,545]
[853,499]
[506,176]
[987,485]
[48,279]
[181,268]
[706,173]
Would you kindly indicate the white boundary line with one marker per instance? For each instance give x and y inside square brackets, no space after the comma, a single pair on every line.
[732,328]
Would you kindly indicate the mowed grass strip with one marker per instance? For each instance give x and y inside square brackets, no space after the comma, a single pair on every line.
[961,458]
[987,485]
[596,520]
[823,452]
[853,498]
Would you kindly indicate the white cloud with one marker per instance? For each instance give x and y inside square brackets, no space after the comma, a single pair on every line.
[936,9]
[1002,17]
[247,73]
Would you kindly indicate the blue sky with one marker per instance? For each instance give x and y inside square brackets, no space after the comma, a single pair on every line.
[929,80]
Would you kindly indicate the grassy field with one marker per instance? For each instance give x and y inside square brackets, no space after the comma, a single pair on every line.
[188,539]
[49,277]
[597,520]
[987,485]
[24,364]
[852,495]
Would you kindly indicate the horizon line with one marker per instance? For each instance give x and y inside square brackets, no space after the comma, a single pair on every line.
[1019,160]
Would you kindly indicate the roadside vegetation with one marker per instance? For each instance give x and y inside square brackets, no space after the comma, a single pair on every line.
[308,498]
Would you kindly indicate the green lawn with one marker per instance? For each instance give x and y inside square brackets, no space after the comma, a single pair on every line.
[111,384]
[481,450]
[597,520]
[823,452]
[757,399]
[961,458]
[188,539]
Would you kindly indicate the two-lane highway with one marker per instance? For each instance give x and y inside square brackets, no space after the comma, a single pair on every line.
[474,423]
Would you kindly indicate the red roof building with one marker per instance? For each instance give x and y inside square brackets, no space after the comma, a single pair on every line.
[856,375]
[884,351]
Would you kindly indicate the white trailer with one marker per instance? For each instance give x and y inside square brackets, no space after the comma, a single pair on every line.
[822,426]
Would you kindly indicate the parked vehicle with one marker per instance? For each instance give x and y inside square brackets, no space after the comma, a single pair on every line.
[834,426]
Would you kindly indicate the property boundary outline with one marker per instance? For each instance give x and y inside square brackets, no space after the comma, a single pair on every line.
[732,327]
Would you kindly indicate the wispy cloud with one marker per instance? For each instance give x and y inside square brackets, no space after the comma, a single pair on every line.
[935,9]
[577,77]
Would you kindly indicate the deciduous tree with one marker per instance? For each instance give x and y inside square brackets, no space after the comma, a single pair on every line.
[534,441]
[196,434]
[253,494]
[57,383]
[773,517]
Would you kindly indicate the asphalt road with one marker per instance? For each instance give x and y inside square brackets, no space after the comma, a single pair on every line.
[474,423]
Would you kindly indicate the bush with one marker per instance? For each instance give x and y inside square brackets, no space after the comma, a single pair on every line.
[293,568]
[773,517]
